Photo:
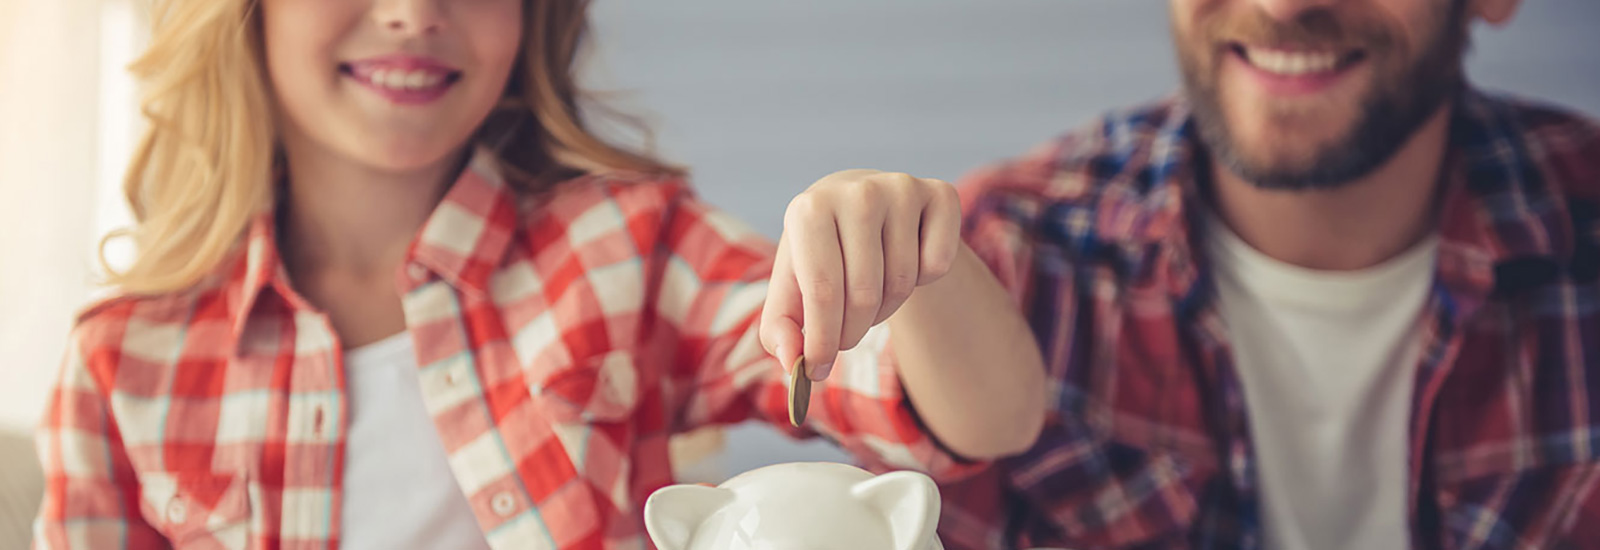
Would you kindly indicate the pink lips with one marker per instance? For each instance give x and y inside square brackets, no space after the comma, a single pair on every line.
[403,79]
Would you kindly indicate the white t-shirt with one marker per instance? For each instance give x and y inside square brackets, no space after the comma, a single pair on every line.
[399,491]
[1327,360]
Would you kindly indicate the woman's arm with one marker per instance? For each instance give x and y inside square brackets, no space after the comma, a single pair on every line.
[711,278]
[861,247]
[970,363]
[91,496]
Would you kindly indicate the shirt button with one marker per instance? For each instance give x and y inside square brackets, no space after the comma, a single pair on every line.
[177,511]
[452,378]
[504,504]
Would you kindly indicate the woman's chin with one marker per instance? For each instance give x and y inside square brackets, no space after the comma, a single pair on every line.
[406,159]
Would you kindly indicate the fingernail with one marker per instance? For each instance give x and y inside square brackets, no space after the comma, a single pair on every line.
[820,372]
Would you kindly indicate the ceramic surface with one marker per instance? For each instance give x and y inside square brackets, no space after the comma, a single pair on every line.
[798,506]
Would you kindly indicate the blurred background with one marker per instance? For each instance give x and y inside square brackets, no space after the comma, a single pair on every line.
[759,97]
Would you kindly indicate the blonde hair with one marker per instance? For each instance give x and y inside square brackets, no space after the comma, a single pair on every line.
[205,166]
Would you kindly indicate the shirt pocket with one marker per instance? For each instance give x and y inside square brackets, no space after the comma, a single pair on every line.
[590,406]
[197,510]
[600,389]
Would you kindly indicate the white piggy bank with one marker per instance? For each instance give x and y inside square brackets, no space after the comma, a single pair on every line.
[798,506]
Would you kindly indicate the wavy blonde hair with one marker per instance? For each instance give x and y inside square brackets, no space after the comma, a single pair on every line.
[206,165]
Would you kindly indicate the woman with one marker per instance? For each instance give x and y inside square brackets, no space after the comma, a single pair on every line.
[392,293]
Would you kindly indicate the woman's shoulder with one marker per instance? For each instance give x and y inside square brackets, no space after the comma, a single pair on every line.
[632,190]
[631,198]
[650,209]
[120,324]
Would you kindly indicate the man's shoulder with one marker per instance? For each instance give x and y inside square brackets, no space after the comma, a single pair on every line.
[1546,120]
[1562,144]
[1095,196]
[1569,146]
[1127,153]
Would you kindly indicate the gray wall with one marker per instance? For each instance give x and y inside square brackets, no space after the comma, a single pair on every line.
[762,97]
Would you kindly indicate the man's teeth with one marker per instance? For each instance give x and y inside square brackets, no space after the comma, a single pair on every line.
[400,79]
[1291,63]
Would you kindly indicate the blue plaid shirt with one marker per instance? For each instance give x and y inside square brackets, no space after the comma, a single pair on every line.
[1149,446]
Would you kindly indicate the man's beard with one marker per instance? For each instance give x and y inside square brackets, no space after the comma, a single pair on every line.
[1401,100]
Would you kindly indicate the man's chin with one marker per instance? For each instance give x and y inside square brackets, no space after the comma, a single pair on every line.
[1274,176]
[1280,157]
[1283,131]
[1283,164]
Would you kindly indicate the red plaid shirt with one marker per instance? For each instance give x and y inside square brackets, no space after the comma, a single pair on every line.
[1149,444]
[561,340]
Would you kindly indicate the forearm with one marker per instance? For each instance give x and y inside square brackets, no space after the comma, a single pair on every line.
[969,363]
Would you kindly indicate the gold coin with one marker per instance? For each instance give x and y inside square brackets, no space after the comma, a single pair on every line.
[799,393]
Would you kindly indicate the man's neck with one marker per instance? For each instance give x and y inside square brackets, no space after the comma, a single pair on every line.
[348,218]
[1353,226]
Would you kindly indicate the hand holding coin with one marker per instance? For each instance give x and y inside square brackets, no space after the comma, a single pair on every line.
[854,246]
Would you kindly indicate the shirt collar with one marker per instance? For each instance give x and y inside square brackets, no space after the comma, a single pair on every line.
[1504,214]
[1499,214]
[462,242]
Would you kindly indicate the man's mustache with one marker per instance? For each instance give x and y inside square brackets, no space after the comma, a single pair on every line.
[1321,29]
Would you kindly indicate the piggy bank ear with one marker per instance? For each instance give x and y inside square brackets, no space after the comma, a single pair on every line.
[672,514]
[909,501]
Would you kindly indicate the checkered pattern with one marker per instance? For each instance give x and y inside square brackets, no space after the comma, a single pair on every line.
[561,339]
[1148,447]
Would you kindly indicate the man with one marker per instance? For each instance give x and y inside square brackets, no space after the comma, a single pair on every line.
[1329,298]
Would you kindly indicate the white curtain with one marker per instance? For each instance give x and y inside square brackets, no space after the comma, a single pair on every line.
[67,124]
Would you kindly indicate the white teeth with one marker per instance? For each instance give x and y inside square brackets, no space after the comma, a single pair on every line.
[397,79]
[1291,63]
[400,79]
[416,80]
[1297,64]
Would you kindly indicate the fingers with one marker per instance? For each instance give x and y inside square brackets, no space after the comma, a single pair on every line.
[860,222]
[819,273]
[781,315]
[854,248]
[902,256]
[941,232]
